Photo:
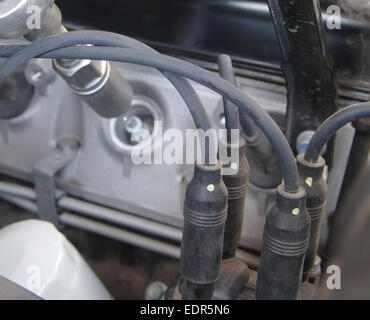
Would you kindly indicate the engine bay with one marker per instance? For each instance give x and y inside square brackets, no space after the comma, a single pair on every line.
[227,140]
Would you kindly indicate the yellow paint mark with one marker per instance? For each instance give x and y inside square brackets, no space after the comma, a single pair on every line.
[309,181]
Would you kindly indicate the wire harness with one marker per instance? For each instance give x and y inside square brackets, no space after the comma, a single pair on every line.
[110,46]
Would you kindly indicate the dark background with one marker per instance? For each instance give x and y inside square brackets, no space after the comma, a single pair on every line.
[203,29]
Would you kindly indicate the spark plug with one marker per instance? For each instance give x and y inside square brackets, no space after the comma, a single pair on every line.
[312,177]
[285,241]
[205,210]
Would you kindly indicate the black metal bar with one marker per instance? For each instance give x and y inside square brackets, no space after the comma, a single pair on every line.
[307,65]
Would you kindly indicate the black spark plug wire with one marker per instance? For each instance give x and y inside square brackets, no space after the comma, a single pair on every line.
[161,62]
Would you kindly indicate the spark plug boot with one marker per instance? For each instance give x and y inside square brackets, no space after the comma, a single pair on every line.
[205,211]
[265,169]
[312,177]
[285,241]
[237,187]
[98,83]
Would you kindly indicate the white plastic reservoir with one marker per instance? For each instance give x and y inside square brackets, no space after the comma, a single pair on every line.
[35,255]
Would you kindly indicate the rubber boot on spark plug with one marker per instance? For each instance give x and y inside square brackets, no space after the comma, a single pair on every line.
[234,273]
[285,241]
[237,186]
[205,211]
[312,177]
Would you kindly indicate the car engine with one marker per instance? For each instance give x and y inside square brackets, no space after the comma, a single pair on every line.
[228,139]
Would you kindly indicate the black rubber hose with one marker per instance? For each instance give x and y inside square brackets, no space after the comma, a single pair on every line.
[232,120]
[170,64]
[332,125]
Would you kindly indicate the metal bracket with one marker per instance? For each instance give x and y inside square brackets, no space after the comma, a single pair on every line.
[45,172]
